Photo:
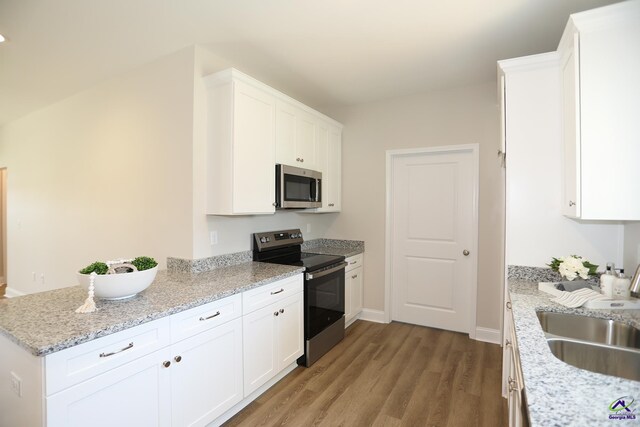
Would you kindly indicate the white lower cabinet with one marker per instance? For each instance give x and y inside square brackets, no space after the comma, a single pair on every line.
[353,289]
[135,394]
[513,383]
[206,375]
[273,339]
[189,369]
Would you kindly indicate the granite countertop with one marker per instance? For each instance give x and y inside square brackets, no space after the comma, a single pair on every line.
[346,248]
[558,394]
[46,322]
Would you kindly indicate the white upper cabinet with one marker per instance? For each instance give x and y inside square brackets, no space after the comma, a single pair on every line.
[296,136]
[599,69]
[241,146]
[251,127]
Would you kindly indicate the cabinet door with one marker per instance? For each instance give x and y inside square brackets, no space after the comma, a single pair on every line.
[571,129]
[335,169]
[306,135]
[290,330]
[259,347]
[322,160]
[348,311]
[286,134]
[329,162]
[206,374]
[253,150]
[135,394]
[356,291]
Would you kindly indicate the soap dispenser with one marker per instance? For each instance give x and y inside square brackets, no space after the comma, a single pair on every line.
[607,279]
[621,285]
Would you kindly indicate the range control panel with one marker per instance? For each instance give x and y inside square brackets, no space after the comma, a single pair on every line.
[277,239]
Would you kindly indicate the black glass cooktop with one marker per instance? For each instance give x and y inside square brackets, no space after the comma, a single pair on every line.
[310,261]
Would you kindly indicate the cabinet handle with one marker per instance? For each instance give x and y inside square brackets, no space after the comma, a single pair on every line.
[571,203]
[275,313]
[277,292]
[116,352]
[330,204]
[178,359]
[210,317]
[508,305]
[274,204]
[301,160]
[281,310]
[512,385]
[507,343]
[352,262]
[354,276]
[166,363]
[297,159]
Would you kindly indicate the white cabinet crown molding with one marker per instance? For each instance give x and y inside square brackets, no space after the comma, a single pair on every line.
[221,77]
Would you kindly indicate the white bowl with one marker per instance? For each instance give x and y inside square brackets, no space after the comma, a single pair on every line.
[119,286]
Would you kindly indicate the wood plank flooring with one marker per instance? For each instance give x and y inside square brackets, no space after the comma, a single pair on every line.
[389,375]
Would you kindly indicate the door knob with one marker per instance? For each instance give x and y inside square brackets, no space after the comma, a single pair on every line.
[465,252]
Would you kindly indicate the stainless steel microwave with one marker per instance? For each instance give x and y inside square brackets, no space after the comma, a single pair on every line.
[298,188]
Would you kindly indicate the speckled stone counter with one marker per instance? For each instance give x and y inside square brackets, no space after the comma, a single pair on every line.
[46,322]
[557,393]
[344,248]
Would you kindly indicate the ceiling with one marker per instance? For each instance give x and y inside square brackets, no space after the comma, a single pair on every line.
[328,52]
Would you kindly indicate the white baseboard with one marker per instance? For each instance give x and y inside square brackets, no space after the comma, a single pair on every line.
[488,335]
[10,293]
[373,315]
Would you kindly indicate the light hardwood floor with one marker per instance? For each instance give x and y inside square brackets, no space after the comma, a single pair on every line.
[389,375]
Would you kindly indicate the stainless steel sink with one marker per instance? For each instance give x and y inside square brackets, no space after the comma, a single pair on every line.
[591,329]
[605,359]
[597,345]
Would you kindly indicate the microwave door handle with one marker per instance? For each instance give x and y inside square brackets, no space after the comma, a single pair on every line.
[317,190]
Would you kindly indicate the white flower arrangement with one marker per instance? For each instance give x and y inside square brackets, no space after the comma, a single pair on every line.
[570,267]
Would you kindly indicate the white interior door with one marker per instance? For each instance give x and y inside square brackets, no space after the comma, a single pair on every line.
[433,225]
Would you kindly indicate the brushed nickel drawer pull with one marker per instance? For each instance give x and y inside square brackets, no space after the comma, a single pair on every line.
[116,352]
[210,317]
[354,276]
[277,292]
[352,262]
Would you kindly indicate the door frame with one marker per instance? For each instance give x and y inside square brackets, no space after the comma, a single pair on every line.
[391,155]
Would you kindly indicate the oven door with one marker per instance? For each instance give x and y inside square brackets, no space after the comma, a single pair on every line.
[323,299]
[298,188]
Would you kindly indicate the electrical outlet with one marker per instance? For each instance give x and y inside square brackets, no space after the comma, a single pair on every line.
[213,237]
[16,384]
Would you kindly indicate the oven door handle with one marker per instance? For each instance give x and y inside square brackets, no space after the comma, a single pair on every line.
[311,276]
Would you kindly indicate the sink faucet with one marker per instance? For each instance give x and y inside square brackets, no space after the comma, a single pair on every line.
[634,287]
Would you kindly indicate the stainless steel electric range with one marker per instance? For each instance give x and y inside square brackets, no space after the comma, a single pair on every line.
[323,288]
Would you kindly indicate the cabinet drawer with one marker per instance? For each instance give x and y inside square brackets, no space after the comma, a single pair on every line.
[200,319]
[255,299]
[353,262]
[76,364]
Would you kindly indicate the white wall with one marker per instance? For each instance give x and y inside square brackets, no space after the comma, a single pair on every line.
[3,226]
[102,174]
[449,117]
[536,228]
